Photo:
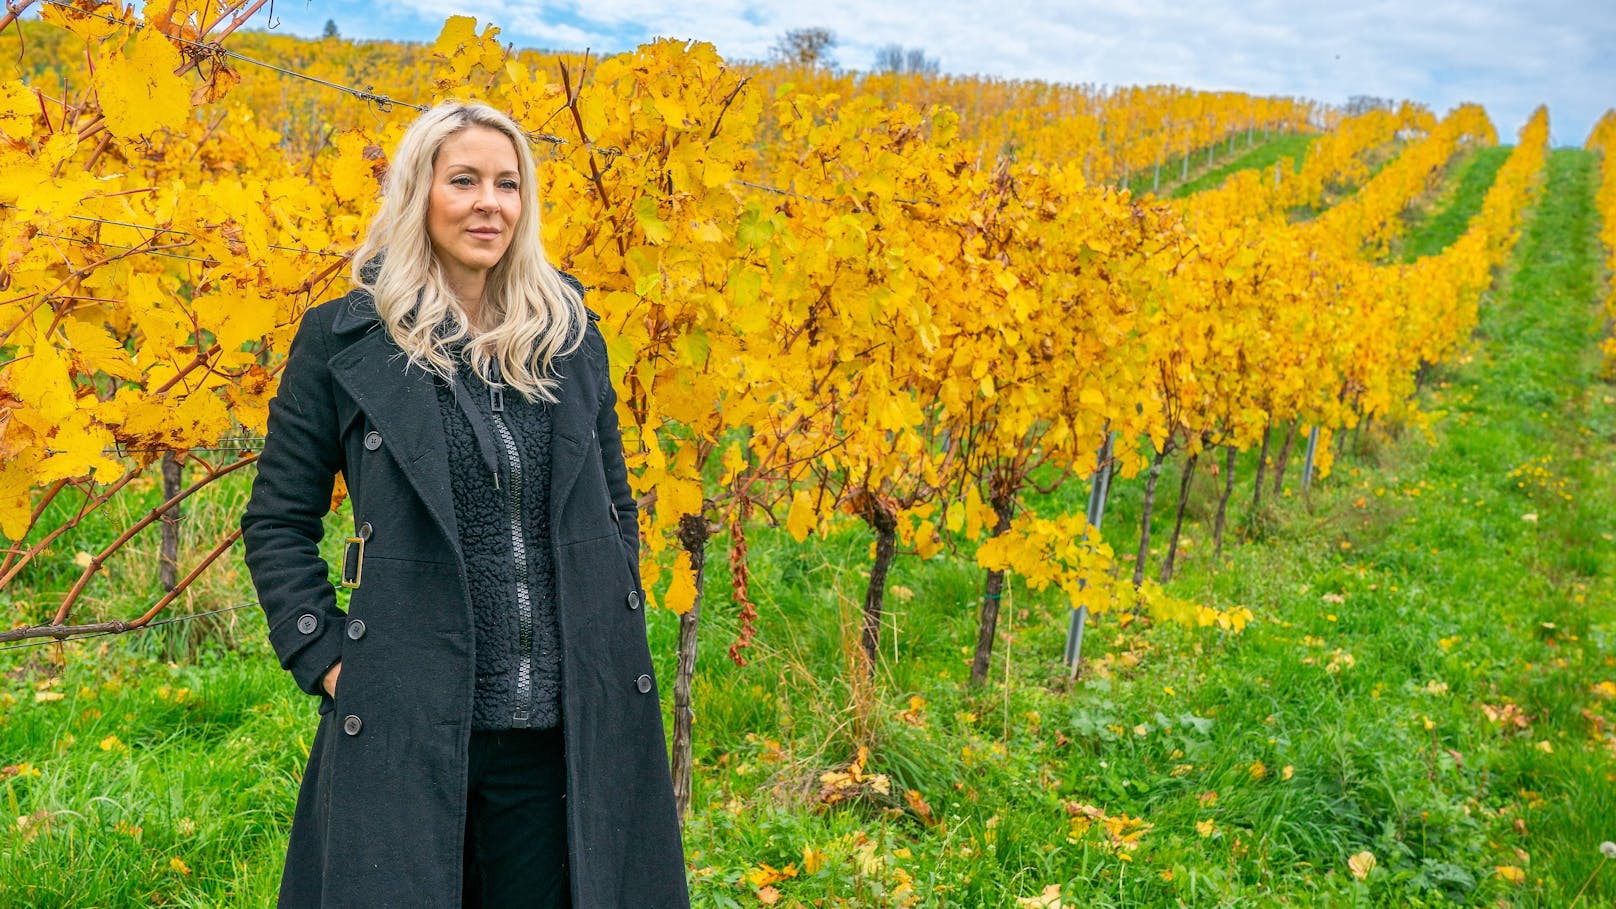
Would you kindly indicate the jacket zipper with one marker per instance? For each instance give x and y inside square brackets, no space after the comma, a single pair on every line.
[524,601]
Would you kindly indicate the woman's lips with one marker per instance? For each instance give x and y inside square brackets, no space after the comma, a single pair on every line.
[486,233]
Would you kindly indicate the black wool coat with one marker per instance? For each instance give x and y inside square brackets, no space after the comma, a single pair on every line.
[380,817]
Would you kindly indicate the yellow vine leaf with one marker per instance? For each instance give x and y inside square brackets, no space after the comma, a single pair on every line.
[138,90]
[76,451]
[96,351]
[353,175]
[682,588]
[234,319]
[734,462]
[458,31]
[18,108]
[43,381]
[198,420]
[974,513]
[927,543]
[249,399]
[44,184]
[16,479]
[90,28]
[801,520]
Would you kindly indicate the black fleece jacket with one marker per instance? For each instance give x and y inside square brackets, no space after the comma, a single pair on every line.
[483,495]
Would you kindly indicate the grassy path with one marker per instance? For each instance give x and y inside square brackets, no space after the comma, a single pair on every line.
[1204,176]
[1464,189]
[1264,156]
[1444,620]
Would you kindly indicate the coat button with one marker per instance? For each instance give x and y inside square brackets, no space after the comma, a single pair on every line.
[634,599]
[373,440]
[306,623]
[356,629]
[352,724]
[643,683]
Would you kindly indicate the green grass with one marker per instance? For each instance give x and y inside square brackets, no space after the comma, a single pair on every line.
[1265,156]
[1464,189]
[1262,152]
[1407,614]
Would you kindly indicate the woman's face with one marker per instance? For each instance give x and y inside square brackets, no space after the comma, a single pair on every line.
[475,200]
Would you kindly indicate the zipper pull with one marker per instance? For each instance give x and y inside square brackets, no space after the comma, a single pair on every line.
[496,388]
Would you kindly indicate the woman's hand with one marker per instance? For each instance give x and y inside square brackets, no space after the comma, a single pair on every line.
[330,680]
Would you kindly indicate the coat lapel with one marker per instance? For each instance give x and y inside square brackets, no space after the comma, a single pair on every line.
[401,401]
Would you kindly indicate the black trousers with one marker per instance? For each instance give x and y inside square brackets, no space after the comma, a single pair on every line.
[516,821]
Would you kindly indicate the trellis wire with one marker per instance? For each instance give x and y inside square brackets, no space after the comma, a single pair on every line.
[152,252]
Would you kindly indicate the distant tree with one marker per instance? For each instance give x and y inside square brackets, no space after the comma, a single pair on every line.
[805,46]
[1363,104]
[331,29]
[895,58]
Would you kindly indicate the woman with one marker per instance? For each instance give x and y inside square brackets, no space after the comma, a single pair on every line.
[489,728]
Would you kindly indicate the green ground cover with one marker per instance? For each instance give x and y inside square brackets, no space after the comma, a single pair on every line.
[1265,156]
[1430,682]
[1463,190]
[1263,151]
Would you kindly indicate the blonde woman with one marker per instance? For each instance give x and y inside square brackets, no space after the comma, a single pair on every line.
[489,730]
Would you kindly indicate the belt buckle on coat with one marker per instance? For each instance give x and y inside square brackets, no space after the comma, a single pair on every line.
[353,557]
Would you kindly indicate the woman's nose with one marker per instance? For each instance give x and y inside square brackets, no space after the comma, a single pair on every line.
[487,200]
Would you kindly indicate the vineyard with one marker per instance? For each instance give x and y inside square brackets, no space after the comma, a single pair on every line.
[907,367]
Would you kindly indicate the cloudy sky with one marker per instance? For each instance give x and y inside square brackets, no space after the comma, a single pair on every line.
[1509,55]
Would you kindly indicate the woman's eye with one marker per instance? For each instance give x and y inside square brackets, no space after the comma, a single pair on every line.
[508,184]
[462,180]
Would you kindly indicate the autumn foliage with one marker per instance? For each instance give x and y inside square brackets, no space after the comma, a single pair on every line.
[894,298]
[1603,140]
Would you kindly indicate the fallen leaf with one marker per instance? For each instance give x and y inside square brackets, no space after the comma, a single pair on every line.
[1050,898]
[1361,864]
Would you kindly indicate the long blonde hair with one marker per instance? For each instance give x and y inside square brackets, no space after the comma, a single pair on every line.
[536,314]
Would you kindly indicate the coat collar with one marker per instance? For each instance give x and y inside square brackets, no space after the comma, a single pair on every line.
[401,401]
